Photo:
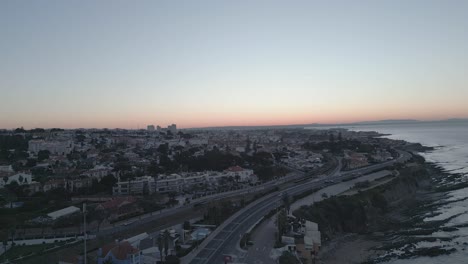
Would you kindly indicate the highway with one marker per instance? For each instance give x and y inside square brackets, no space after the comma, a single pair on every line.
[128,224]
[225,239]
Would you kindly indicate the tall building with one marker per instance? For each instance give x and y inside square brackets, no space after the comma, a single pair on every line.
[150,127]
[172,128]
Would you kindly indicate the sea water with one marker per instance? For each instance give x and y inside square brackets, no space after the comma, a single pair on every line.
[450,142]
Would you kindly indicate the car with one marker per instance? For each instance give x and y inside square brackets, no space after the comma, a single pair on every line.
[128,223]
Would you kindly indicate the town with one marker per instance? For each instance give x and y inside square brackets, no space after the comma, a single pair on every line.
[148,196]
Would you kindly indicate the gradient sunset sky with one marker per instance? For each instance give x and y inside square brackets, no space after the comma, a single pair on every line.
[213,63]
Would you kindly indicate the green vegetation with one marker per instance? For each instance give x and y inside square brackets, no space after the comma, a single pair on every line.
[18,251]
[43,155]
[288,258]
[363,184]
[13,148]
[215,215]
[281,224]
[337,147]
[244,240]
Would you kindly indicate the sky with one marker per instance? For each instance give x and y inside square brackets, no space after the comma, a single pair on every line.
[128,64]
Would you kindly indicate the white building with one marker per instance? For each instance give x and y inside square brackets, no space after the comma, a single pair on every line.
[312,238]
[6,168]
[20,178]
[55,147]
[63,212]
[241,174]
[98,172]
[147,184]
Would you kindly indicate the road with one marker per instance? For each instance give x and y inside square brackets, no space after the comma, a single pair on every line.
[225,239]
[128,224]
[263,238]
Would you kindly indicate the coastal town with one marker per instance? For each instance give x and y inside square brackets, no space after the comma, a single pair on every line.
[154,195]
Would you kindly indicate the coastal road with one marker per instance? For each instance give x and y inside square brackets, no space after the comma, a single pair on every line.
[225,239]
[146,218]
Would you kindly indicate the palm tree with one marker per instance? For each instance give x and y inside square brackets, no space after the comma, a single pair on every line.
[160,246]
[166,242]
[5,244]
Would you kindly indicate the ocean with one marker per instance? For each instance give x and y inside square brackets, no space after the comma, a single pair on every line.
[450,142]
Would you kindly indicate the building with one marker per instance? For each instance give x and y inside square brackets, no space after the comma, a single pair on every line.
[355,160]
[120,207]
[147,184]
[54,184]
[20,178]
[135,240]
[150,128]
[98,172]
[6,168]
[55,147]
[240,174]
[63,212]
[139,185]
[119,252]
[308,247]
[172,128]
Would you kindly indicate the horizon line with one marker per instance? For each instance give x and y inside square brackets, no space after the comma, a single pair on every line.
[388,121]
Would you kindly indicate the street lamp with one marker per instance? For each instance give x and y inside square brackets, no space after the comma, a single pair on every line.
[84,231]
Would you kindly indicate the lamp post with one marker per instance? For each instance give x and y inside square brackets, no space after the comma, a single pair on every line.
[84,231]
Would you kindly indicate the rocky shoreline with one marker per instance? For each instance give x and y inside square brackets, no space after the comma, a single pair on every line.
[385,222]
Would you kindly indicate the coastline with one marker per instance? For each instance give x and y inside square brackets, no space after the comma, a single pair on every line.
[375,242]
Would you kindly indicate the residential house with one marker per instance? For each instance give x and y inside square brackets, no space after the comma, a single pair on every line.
[120,207]
[20,178]
[119,252]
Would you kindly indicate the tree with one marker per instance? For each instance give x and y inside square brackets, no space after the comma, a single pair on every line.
[281,223]
[99,216]
[172,259]
[107,182]
[187,225]
[31,163]
[163,149]
[20,130]
[237,177]
[167,237]
[160,245]
[286,201]
[288,258]
[5,244]
[43,155]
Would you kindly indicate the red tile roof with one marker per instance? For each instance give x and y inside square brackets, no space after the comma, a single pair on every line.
[235,169]
[120,250]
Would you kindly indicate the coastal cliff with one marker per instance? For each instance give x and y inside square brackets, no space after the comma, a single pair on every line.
[375,215]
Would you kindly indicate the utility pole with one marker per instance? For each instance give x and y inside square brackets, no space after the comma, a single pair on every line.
[84,231]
